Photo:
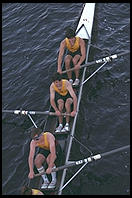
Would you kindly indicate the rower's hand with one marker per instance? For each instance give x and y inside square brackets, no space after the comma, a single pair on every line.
[48,171]
[31,175]
[58,113]
[59,70]
[73,113]
[77,66]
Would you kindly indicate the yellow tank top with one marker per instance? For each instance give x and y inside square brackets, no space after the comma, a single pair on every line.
[35,191]
[73,48]
[63,90]
[46,143]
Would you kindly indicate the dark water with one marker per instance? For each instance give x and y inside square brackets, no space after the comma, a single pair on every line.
[31,34]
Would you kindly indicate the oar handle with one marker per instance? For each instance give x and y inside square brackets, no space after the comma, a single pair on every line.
[63,72]
[23,112]
[57,169]
[63,114]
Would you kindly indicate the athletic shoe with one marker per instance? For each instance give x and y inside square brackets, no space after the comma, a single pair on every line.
[66,128]
[76,82]
[52,184]
[58,129]
[71,81]
[45,184]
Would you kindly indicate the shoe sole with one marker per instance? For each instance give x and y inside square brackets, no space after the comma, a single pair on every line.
[65,131]
[51,187]
[44,187]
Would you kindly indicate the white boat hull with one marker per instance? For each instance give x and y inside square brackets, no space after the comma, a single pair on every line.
[86,20]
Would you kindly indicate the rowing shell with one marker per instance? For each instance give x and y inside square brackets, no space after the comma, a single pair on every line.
[84,31]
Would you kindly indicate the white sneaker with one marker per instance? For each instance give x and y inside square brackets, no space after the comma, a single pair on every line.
[45,184]
[71,81]
[76,82]
[52,184]
[66,128]
[58,129]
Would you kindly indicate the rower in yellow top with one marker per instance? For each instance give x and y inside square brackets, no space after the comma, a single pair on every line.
[26,190]
[76,53]
[62,95]
[49,151]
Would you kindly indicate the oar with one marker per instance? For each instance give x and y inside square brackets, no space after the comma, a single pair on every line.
[102,60]
[87,160]
[23,112]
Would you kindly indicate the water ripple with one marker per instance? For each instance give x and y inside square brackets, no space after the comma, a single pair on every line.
[31,35]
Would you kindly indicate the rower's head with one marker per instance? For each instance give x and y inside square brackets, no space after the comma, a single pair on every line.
[70,33]
[57,79]
[35,133]
[57,76]
[26,190]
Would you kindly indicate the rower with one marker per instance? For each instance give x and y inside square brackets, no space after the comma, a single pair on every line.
[49,151]
[76,54]
[62,95]
[26,190]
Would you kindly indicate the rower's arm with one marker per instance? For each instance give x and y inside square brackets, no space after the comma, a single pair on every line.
[31,155]
[52,151]
[60,56]
[73,95]
[83,51]
[52,98]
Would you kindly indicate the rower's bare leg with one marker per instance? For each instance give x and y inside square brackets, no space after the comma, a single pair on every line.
[48,159]
[68,103]
[68,59]
[53,174]
[38,162]
[75,61]
[60,107]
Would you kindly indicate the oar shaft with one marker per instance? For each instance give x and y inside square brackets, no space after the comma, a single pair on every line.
[57,169]
[115,151]
[102,60]
[86,160]
[23,112]
[7,111]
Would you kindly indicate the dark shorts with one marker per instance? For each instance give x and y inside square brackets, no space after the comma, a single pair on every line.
[58,153]
[64,98]
[78,52]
